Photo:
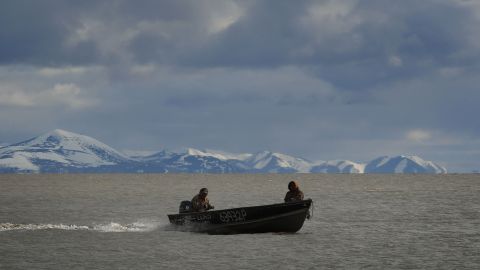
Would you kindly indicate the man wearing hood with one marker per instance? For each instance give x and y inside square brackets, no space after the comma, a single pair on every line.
[294,193]
[200,202]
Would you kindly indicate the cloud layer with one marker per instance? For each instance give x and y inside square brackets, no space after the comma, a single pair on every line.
[319,79]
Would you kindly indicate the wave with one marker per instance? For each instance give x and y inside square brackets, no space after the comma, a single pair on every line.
[139,226]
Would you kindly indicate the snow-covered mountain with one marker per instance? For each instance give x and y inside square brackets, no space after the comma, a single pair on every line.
[189,160]
[64,151]
[215,153]
[338,166]
[58,150]
[269,162]
[403,164]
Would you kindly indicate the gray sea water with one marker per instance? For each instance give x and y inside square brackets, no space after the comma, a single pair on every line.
[118,221]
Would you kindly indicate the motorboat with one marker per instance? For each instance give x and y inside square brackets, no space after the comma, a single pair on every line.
[281,217]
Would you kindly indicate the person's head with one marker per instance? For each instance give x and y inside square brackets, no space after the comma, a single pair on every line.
[203,192]
[292,186]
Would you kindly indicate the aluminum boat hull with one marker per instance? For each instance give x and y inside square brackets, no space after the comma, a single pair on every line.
[282,217]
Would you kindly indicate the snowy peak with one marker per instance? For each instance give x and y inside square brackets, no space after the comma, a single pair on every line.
[403,164]
[203,153]
[50,139]
[221,155]
[270,162]
[338,166]
[60,133]
[59,149]
[192,161]
[75,142]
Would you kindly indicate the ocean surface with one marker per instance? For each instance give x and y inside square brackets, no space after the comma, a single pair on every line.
[118,221]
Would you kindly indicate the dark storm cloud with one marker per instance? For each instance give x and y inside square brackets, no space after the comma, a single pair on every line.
[367,43]
[356,34]
[50,32]
[35,32]
[263,37]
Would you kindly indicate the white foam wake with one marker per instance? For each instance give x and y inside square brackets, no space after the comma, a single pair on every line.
[31,227]
[133,227]
[139,226]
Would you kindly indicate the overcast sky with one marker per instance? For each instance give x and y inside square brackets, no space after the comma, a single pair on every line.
[317,79]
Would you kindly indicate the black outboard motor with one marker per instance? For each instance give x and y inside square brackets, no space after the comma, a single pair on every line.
[185,207]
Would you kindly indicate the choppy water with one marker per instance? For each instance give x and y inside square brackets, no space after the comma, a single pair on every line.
[119,222]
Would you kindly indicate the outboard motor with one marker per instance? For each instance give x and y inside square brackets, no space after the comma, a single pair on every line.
[185,207]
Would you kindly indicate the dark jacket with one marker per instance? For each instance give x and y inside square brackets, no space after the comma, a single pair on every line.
[199,205]
[293,196]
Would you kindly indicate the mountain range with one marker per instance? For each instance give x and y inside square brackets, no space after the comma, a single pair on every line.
[61,151]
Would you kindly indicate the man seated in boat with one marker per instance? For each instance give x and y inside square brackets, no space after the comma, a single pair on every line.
[200,202]
[294,193]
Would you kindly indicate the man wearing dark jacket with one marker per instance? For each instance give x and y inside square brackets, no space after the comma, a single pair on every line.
[294,193]
[200,202]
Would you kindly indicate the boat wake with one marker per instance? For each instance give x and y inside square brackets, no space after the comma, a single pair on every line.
[139,226]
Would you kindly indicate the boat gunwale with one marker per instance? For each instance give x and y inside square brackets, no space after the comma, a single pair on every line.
[246,207]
